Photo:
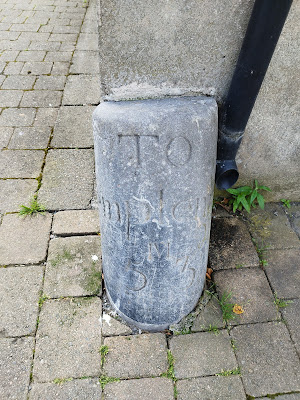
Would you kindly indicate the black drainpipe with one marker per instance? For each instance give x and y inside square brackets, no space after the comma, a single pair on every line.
[264,28]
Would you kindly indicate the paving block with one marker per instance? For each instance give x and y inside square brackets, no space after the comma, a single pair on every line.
[42,98]
[292,317]
[59,56]
[72,222]
[73,267]
[271,229]
[136,356]
[31,55]
[15,365]
[74,127]
[283,271]
[201,354]
[21,163]
[87,41]
[63,37]
[85,62]
[13,68]
[24,240]
[250,289]
[50,82]
[140,389]
[60,68]
[10,98]
[79,389]
[9,55]
[268,360]
[15,192]
[68,339]
[210,317]
[19,296]
[5,134]
[112,327]
[18,82]
[213,387]
[82,89]
[30,138]
[292,396]
[37,68]
[45,117]
[17,117]
[231,245]
[67,179]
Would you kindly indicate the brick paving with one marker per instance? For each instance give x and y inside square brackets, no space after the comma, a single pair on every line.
[55,320]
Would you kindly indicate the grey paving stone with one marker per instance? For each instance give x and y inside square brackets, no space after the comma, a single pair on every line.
[136,356]
[19,82]
[213,387]
[66,29]
[13,68]
[30,138]
[68,339]
[41,98]
[35,36]
[47,46]
[87,41]
[10,98]
[67,179]
[16,357]
[59,56]
[25,27]
[31,55]
[9,55]
[89,26]
[250,289]
[72,222]
[63,37]
[37,68]
[82,89]
[73,127]
[68,46]
[268,360]
[50,82]
[292,317]
[201,354]
[8,35]
[283,271]
[73,267]
[5,134]
[231,245]
[46,116]
[2,65]
[17,117]
[19,44]
[24,240]
[2,78]
[85,62]
[79,389]
[140,389]
[21,163]
[60,68]
[270,228]
[14,192]
[293,396]
[210,317]
[19,295]
[112,327]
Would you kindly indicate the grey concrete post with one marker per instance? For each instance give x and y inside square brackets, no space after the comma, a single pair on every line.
[155,166]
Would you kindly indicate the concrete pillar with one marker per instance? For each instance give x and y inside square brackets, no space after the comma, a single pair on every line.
[155,166]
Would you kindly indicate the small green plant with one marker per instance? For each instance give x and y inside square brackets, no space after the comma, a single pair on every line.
[286,203]
[239,266]
[233,344]
[65,255]
[227,306]
[281,303]
[229,372]
[213,329]
[60,381]
[170,372]
[103,352]
[247,197]
[104,380]
[261,253]
[42,299]
[34,208]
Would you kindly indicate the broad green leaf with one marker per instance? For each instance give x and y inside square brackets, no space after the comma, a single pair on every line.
[261,201]
[245,204]
[232,191]
[264,188]
[253,196]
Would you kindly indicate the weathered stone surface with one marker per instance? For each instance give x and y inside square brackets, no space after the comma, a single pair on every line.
[5,134]
[195,354]
[21,163]
[19,295]
[17,117]
[293,396]
[283,271]
[79,389]
[30,138]
[68,339]
[10,98]
[112,327]
[140,389]
[213,387]
[81,90]
[155,191]
[74,127]
[15,365]
[72,222]
[231,245]
[250,289]
[271,229]
[294,213]
[42,98]
[73,267]
[210,317]
[45,117]
[15,192]
[292,317]
[267,348]
[136,356]
[24,240]
[67,179]
[85,62]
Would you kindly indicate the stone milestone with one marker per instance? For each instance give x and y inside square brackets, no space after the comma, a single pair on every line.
[155,166]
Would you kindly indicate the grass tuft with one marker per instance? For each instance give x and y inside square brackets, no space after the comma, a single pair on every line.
[33,209]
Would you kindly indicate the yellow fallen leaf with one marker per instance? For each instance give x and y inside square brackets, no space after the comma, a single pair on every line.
[238,309]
